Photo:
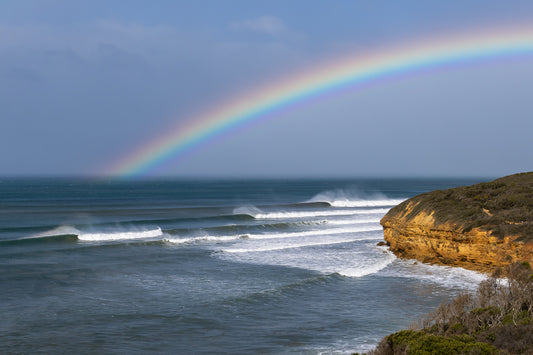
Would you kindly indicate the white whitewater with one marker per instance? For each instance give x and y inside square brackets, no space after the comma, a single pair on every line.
[120,235]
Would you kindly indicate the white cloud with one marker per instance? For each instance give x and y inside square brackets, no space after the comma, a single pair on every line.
[270,25]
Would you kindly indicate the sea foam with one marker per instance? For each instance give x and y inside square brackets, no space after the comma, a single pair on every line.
[365,203]
[448,276]
[341,198]
[272,236]
[300,243]
[327,257]
[120,235]
[321,213]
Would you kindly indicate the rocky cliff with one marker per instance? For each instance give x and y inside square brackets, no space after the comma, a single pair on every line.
[478,227]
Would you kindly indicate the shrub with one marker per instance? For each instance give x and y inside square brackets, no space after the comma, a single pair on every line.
[418,342]
[498,316]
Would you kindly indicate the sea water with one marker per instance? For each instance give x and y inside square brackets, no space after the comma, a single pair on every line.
[192,267]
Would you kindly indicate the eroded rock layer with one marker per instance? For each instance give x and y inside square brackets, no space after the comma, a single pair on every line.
[478,227]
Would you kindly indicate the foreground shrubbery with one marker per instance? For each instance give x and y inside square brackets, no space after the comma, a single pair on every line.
[420,342]
[497,319]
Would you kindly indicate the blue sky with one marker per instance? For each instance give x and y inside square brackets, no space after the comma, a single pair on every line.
[84,83]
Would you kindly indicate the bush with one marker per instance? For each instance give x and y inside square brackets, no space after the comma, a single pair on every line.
[421,343]
[498,316]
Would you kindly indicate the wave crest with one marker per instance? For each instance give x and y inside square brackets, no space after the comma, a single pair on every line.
[341,198]
[57,231]
[121,235]
[322,213]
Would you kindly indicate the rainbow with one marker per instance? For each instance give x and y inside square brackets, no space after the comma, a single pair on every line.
[348,72]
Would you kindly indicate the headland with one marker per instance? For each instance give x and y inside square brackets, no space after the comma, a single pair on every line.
[480,227]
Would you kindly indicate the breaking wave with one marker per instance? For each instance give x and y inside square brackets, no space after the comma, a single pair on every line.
[57,231]
[365,203]
[340,198]
[284,246]
[121,235]
[448,276]
[277,235]
[322,213]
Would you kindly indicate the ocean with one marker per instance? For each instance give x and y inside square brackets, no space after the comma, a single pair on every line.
[209,266]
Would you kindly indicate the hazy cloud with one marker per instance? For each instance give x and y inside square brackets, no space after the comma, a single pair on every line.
[270,25]
[18,73]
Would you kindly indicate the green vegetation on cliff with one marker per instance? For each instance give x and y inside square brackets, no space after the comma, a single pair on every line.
[503,206]
[497,319]
[419,342]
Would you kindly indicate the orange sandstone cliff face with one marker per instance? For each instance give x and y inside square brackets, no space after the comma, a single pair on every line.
[418,235]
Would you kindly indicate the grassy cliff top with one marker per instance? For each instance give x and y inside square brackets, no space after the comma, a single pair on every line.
[503,206]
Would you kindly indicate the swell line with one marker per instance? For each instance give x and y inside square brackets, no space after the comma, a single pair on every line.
[224,238]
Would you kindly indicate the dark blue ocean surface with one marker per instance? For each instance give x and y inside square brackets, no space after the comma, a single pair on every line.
[239,267]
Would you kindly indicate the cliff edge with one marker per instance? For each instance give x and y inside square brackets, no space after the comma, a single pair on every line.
[479,227]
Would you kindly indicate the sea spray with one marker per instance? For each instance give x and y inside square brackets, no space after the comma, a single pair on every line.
[350,198]
[57,231]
